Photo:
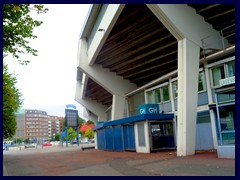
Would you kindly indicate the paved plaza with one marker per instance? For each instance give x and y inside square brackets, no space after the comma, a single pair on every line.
[73,161]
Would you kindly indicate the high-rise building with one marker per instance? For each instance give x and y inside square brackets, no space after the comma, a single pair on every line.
[36,124]
[20,118]
[54,125]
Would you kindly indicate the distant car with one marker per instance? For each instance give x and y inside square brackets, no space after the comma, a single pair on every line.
[84,140]
[30,146]
[91,140]
[73,142]
[47,144]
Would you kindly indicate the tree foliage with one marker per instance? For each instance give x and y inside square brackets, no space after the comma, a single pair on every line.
[72,134]
[57,137]
[11,103]
[18,28]
[89,133]
[80,121]
[90,122]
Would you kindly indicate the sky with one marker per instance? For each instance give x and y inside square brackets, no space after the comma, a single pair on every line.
[48,82]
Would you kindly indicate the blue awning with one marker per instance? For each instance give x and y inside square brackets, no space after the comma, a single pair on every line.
[133,119]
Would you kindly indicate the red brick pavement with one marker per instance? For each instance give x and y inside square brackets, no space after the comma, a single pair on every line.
[51,162]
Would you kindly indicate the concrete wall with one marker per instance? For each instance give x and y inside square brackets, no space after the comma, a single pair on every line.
[226,152]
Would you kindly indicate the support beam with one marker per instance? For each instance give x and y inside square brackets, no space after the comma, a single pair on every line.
[96,108]
[183,22]
[188,65]
[108,80]
[118,106]
[89,115]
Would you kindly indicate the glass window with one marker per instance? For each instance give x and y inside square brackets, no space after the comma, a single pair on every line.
[175,89]
[227,120]
[227,124]
[165,93]
[150,97]
[203,117]
[133,103]
[218,73]
[201,82]
[141,135]
[231,68]
[157,96]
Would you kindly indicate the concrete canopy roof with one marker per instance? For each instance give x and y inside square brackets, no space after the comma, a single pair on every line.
[140,48]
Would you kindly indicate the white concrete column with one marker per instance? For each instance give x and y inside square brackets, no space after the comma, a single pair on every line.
[188,65]
[118,107]
[96,140]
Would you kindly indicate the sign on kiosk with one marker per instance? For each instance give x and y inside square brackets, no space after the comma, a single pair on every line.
[148,109]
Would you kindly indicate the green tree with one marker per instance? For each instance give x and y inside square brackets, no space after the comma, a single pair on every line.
[57,137]
[18,141]
[72,134]
[80,121]
[27,141]
[18,28]
[89,133]
[11,103]
[90,122]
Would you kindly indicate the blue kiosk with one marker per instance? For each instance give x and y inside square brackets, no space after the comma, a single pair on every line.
[146,132]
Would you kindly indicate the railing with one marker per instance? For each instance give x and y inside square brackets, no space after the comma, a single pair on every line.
[222,42]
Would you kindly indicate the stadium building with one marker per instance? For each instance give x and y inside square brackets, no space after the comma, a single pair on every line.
[159,76]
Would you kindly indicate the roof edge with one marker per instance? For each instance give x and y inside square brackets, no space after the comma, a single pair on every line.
[90,20]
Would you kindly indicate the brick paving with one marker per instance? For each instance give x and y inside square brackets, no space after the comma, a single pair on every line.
[72,161]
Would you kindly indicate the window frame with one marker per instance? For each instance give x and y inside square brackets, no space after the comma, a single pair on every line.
[217,64]
[160,87]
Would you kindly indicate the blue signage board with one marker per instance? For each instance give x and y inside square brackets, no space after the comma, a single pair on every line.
[148,109]
[64,134]
[71,106]
[71,118]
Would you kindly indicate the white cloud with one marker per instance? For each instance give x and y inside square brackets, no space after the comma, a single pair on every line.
[48,82]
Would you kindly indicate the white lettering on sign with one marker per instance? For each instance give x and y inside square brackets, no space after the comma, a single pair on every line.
[142,111]
[71,106]
[152,110]
[226,81]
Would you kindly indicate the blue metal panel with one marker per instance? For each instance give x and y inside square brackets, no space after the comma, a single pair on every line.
[118,138]
[137,118]
[202,98]
[101,139]
[109,138]
[129,138]
[204,139]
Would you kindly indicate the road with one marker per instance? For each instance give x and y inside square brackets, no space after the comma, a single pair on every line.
[73,161]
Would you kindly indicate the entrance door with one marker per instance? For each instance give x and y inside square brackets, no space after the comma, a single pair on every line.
[161,135]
